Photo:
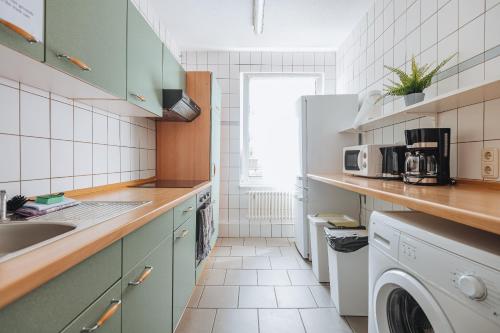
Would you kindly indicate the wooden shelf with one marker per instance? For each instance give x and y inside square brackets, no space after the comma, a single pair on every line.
[473,204]
[484,91]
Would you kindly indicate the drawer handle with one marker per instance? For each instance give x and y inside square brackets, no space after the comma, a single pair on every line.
[145,274]
[21,32]
[183,234]
[110,311]
[75,61]
[187,210]
[139,97]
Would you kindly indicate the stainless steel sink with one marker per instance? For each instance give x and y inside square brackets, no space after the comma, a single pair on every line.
[19,235]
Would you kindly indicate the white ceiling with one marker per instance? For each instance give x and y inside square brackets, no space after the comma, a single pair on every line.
[288,24]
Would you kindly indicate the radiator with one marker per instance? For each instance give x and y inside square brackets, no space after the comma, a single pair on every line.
[270,205]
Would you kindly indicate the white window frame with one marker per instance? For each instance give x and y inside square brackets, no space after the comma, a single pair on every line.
[245,181]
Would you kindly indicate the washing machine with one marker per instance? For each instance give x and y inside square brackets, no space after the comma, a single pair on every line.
[428,274]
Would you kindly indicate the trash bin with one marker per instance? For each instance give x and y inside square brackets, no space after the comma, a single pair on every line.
[348,269]
[319,246]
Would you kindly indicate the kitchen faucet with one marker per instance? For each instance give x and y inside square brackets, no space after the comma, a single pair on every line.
[3,205]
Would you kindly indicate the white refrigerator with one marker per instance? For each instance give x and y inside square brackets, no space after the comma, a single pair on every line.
[321,118]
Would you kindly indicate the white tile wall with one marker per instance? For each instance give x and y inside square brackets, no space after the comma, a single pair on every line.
[227,67]
[431,30]
[54,144]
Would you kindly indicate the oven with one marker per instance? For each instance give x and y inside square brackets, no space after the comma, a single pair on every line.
[204,224]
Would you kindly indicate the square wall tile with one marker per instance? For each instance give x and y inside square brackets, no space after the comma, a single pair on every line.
[99,180]
[35,118]
[61,184]
[469,9]
[113,131]
[449,119]
[35,158]
[113,159]
[492,26]
[82,125]
[447,19]
[10,146]
[471,39]
[99,128]
[492,119]
[470,123]
[61,155]
[9,112]
[33,188]
[61,120]
[469,160]
[82,159]
[99,159]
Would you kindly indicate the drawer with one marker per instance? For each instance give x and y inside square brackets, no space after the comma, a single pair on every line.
[55,304]
[106,310]
[137,245]
[184,211]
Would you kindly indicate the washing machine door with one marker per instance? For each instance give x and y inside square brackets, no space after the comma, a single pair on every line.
[403,305]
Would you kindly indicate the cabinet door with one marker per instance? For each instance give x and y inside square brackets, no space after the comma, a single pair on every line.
[215,153]
[174,76]
[144,63]
[184,266]
[17,37]
[104,314]
[87,39]
[147,293]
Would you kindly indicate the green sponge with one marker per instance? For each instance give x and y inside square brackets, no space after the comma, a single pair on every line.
[50,199]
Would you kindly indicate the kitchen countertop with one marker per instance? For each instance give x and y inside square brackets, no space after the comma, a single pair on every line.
[471,203]
[21,274]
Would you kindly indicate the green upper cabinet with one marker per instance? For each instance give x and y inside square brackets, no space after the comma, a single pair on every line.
[144,63]
[174,76]
[88,40]
[18,37]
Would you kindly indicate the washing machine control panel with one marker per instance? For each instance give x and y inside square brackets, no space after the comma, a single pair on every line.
[472,287]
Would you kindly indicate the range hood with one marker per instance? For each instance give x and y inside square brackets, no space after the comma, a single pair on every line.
[177,106]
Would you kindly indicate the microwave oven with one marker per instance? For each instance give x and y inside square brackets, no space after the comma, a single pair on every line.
[363,160]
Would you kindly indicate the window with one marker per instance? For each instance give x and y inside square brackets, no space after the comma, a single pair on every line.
[269,128]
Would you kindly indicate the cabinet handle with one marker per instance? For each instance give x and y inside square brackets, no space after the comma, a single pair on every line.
[183,234]
[139,97]
[75,61]
[110,311]
[21,32]
[187,210]
[145,274]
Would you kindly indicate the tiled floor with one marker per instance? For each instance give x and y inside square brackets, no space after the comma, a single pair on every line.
[259,285]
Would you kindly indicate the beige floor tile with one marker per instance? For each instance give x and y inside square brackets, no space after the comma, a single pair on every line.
[284,263]
[221,251]
[236,320]
[289,251]
[268,251]
[273,278]
[277,242]
[302,277]
[227,262]
[280,321]
[231,241]
[242,251]
[321,295]
[256,263]
[219,297]
[255,242]
[241,277]
[257,297]
[358,324]
[212,277]
[195,297]
[196,321]
[294,297]
[325,320]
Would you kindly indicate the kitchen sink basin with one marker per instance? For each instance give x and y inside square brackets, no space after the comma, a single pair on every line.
[19,235]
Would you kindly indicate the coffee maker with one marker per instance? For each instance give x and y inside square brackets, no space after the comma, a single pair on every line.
[428,156]
[393,161]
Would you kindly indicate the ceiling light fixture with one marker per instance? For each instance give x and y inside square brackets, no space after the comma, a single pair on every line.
[258,16]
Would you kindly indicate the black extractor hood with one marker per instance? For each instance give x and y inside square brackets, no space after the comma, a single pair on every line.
[177,106]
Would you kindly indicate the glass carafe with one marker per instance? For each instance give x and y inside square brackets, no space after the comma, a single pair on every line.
[431,165]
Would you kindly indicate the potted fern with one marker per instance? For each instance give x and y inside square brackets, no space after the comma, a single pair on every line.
[413,84]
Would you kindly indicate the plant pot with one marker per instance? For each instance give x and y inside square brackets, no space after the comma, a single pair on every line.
[414,98]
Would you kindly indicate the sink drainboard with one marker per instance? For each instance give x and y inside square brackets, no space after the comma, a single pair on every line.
[91,212]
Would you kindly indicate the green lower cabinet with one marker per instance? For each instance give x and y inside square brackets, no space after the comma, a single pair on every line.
[147,293]
[184,266]
[105,315]
[54,305]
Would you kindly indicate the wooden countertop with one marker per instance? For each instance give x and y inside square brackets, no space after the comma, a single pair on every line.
[472,204]
[21,274]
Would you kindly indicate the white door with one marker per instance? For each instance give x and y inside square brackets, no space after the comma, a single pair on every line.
[403,305]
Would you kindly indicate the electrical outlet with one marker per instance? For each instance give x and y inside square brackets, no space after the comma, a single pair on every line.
[489,163]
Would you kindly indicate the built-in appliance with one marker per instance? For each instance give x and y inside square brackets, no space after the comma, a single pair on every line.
[204,224]
[428,156]
[427,274]
[177,106]
[393,161]
[363,160]
[320,120]
[171,184]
